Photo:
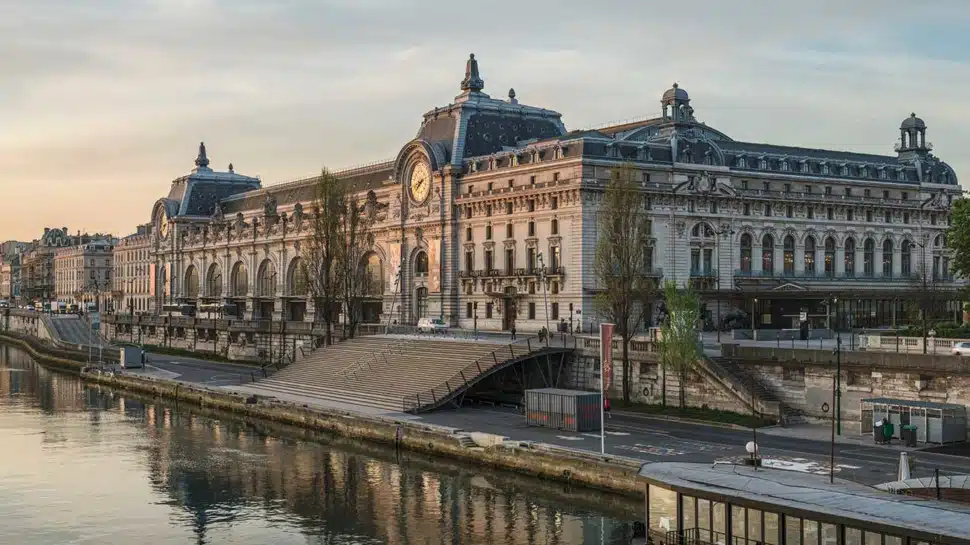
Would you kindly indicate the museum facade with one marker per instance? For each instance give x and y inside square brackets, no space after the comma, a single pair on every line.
[488,219]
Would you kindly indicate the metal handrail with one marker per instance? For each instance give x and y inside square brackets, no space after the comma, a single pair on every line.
[460,380]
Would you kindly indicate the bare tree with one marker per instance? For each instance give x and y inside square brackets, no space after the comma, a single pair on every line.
[678,332]
[356,238]
[622,257]
[324,248]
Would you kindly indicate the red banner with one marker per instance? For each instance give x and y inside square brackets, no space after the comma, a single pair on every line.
[606,355]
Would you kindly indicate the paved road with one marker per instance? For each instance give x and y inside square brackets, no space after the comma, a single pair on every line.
[653,439]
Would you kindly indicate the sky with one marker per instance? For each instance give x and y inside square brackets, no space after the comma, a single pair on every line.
[104,102]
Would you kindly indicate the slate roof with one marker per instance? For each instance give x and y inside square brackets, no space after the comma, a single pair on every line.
[302,191]
[839,502]
[753,149]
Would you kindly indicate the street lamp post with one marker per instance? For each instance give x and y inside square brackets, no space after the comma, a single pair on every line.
[724,231]
[272,287]
[545,298]
[475,319]
[837,383]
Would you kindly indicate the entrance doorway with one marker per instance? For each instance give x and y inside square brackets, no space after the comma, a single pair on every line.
[509,312]
[421,303]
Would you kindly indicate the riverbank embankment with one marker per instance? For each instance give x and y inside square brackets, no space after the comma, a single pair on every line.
[609,473]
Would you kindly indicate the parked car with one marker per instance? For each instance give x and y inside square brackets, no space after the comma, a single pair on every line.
[431,325]
[961,349]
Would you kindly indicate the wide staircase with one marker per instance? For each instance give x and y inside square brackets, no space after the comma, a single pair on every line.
[759,388]
[384,371]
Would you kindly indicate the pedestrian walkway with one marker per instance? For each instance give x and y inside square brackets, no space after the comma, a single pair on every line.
[823,432]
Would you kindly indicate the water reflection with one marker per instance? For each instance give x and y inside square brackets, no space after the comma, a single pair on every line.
[133,469]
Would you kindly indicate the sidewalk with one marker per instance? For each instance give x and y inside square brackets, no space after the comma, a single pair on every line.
[823,433]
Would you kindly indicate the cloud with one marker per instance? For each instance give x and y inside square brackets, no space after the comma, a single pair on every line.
[110,97]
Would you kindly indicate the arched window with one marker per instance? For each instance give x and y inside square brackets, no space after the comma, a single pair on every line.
[746,253]
[296,282]
[240,280]
[421,263]
[266,279]
[702,230]
[829,256]
[213,281]
[940,241]
[868,257]
[191,282]
[849,258]
[421,302]
[887,258]
[906,259]
[768,254]
[810,255]
[789,255]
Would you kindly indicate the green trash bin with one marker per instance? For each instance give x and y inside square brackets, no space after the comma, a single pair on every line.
[908,434]
[888,430]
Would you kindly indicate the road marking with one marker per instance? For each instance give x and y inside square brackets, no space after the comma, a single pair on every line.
[613,433]
[651,450]
[570,438]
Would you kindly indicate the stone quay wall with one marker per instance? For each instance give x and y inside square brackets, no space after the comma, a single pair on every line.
[804,378]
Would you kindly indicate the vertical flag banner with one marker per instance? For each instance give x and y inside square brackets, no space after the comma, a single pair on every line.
[606,355]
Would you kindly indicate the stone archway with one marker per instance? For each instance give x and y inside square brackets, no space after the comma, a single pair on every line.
[372,288]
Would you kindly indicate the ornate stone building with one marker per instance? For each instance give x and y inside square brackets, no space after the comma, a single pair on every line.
[83,272]
[488,218]
[37,264]
[131,258]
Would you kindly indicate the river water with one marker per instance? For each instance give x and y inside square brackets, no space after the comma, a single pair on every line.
[81,464]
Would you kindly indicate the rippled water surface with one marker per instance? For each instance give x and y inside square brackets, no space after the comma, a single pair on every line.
[83,465]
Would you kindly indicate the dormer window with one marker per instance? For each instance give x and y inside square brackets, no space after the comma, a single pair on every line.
[845,170]
[804,167]
[882,173]
[864,172]
[742,163]
[784,165]
[825,169]
[763,163]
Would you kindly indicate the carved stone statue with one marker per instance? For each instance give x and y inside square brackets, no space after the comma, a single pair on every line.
[297,216]
[472,82]
[269,207]
[219,213]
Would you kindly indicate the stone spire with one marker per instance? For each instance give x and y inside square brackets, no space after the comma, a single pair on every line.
[472,82]
[202,161]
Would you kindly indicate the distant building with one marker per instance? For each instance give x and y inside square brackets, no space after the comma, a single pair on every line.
[11,248]
[83,272]
[37,264]
[131,259]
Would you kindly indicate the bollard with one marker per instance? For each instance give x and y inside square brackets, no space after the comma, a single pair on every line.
[252,376]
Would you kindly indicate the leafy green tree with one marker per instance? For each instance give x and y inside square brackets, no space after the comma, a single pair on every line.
[958,237]
[679,348]
[623,255]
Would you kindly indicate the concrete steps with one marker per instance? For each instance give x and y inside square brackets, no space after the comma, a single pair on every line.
[335,395]
[760,389]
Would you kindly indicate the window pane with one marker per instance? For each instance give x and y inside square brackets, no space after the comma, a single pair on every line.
[720,519]
[873,538]
[738,524]
[704,520]
[892,540]
[830,534]
[690,516]
[793,531]
[663,509]
[809,532]
[771,530]
[754,525]
[853,536]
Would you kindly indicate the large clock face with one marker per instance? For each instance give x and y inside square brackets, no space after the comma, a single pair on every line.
[162,226]
[420,182]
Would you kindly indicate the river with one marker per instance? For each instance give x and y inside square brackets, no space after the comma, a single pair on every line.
[84,465]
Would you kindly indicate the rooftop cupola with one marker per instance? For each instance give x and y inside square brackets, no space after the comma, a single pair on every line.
[202,162]
[676,106]
[912,136]
[473,83]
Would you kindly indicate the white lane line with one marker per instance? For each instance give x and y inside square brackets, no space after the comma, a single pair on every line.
[570,438]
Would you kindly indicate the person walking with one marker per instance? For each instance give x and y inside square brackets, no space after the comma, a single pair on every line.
[606,407]
[513,332]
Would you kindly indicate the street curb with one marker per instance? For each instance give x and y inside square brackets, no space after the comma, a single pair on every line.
[695,421]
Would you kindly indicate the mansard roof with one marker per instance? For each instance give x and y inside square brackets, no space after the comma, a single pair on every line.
[197,193]
[363,178]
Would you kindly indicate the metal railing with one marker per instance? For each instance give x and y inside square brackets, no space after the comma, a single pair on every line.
[465,376]
[823,276]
